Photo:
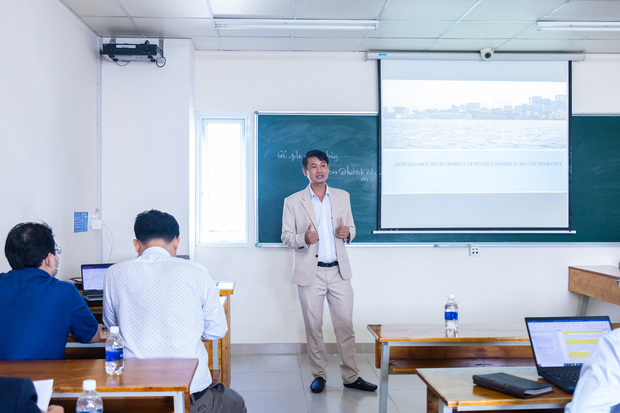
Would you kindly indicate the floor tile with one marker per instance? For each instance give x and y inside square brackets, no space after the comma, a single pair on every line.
[267,382]
[264,363]
[275,402]
[345,401]
[409,401]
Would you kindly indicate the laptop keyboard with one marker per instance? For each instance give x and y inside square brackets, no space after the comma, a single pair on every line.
[569,378]
[94,297]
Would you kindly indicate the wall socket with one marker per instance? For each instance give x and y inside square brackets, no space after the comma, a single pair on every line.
[474,251]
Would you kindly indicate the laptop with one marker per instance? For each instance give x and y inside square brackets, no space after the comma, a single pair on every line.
[92,282]
[561,345]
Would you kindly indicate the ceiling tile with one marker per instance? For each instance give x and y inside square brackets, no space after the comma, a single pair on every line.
[485,30]
[513,10]
[341,9]
[396,44]
[176,8]
[589,10]
[266,9]
[256,43]
[427,9]
[395,28]
[183,28]
[112,26]
[536,45]
[325,44]
[598,46]
[601,35]
[532,32]
[467,45]
[206,43]
[95,8]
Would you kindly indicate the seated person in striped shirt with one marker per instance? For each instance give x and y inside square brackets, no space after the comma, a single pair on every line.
[165,306]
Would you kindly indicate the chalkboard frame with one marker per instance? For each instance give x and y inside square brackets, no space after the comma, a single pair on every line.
[597,223]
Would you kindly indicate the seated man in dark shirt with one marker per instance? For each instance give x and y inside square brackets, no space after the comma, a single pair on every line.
[18,395]
[38,311]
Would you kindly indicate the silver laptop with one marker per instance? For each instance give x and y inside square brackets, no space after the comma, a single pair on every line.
[562,344]
[92,281]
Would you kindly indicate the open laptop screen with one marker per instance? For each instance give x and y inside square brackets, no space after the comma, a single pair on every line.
[565,341]
[92,276]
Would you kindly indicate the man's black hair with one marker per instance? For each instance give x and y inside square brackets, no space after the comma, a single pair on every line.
[317,154]
[28,244]
[155,224]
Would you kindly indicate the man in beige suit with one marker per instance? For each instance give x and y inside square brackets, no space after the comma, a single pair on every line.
[316,223]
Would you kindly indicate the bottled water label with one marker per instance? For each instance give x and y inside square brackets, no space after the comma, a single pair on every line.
[451,315]
[114,355]
[91,411]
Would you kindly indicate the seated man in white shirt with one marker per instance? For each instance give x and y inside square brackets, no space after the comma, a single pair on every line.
[598,388]
[165,306]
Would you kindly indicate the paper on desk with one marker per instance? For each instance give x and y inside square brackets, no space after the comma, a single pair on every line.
[44,390]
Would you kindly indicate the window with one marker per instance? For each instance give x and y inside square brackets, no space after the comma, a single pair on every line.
[221,179]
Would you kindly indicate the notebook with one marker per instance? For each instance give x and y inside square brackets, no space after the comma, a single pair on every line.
[92,281]
[561,345]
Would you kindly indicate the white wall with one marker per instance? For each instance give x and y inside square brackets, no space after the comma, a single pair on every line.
[147,118]
[392,284]
[48,85]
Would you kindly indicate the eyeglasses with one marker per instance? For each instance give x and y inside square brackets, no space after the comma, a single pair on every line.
[58,249]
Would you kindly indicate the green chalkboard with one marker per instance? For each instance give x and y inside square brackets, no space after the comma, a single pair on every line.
[352,143]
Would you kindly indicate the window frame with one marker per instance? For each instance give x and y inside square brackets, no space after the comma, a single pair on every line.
[202,119]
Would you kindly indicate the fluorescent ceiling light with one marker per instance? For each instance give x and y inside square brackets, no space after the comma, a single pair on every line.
[280,24]
[579,26]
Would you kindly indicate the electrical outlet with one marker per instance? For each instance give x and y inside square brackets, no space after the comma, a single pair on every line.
[474,251]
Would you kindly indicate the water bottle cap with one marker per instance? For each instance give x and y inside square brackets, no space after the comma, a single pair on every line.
[114,330]
[450,296]
[89,385]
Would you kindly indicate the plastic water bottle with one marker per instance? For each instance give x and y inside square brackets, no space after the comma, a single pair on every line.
[114,347]
[451,311]
[89,401]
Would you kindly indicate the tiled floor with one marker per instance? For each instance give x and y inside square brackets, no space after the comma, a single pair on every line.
[281,384]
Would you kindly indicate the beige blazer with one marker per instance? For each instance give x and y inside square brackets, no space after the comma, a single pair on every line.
[297,215]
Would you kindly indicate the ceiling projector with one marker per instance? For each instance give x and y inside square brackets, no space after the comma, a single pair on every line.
[124,52]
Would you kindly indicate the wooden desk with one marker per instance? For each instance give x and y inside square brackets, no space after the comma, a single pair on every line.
[449,389]
[219,350]
[597,281]
[140,378]
[404,348]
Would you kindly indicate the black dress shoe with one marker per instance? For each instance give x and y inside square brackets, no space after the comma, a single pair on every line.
[361,384]
[318,385]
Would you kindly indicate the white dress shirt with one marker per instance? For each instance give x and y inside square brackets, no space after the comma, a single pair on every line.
[164,307]
[598,388]
[325,226]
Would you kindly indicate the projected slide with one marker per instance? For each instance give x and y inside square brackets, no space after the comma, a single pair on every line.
[480,145]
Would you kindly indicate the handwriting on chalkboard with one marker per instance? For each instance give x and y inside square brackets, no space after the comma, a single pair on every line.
[294,155]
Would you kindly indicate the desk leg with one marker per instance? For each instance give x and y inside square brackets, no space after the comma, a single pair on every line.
[385,370]
[179,402]
[432,401]
[583,305]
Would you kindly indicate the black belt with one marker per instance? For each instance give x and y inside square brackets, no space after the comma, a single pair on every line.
[327,264]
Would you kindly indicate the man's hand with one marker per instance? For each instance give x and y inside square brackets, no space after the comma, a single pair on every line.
[343,231]
[54,409]
[311,237]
